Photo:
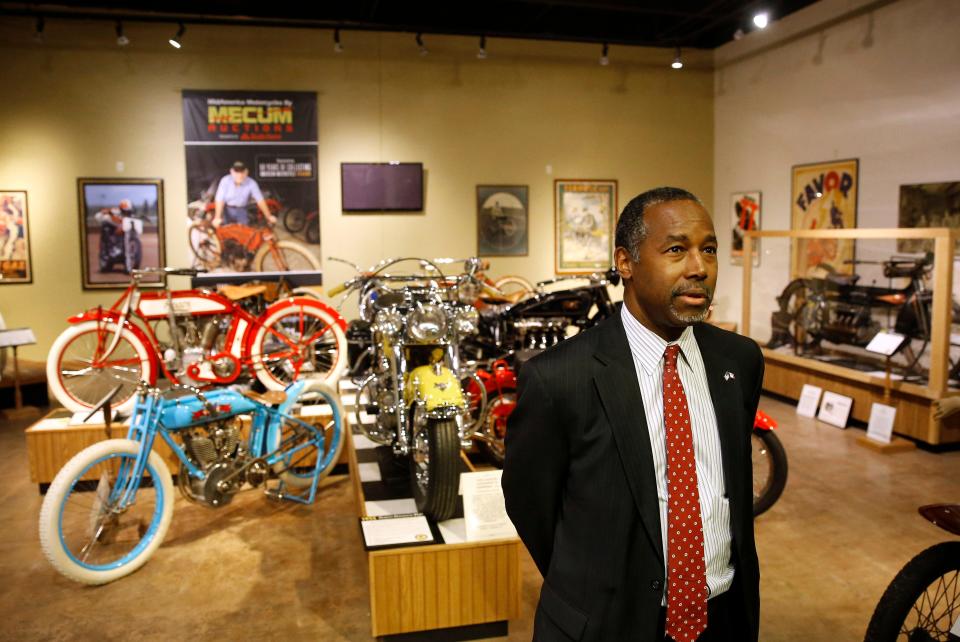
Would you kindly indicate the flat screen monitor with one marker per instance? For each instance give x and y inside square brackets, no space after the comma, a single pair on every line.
[369,187]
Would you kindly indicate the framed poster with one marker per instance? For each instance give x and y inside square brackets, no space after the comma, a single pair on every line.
[584,219]
[824,196]
[928,205]
[15,263]
[121,229]
[502,217]
[745,210]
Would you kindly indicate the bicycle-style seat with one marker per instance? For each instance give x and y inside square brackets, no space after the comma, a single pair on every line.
[238,292]
[268,398]
[843,279]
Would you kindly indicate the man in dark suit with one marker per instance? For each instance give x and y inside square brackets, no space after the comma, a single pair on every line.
[635,538]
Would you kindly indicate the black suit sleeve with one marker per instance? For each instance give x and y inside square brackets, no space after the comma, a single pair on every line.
[535,467]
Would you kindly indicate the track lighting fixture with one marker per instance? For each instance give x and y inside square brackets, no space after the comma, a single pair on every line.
[38,31]
[677,60]
[761,20]
[122,40]
[422,48]
[175,42]
[337,47]
[604,59]
[482,51]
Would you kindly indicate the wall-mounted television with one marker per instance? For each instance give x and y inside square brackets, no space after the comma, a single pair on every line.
[373,187]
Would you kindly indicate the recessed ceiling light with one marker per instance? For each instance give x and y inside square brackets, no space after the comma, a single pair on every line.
[761,20]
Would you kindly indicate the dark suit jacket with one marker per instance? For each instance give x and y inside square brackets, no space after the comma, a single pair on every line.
[579,482]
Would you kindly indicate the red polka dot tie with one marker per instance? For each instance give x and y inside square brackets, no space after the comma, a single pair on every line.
[686,569]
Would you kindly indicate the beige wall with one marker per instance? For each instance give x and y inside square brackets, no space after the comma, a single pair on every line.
[881,85]
[78,104]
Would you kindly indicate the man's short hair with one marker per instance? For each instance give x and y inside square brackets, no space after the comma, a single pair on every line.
[239,166]
[630,227]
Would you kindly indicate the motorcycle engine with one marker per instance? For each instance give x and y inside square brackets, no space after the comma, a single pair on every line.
[216,450]
[196,343]
[540,333]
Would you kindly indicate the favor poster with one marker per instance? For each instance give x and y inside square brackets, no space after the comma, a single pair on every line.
[256,153]
[824,197]
[745,210]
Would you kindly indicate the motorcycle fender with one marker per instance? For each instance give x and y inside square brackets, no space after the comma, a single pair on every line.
[309,301]
[434,389]
[99,314]
[763,421]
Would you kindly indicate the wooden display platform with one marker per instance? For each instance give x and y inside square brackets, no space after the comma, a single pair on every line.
[449,590]
[786,373]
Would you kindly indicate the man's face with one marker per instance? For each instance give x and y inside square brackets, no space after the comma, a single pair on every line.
[238,175]
[672,284]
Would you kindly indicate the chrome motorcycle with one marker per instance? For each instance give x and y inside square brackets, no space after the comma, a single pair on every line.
[413,397]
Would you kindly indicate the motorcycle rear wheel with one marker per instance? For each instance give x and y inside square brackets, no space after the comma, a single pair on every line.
[923,600]
[769,470]
[284,256]
[294,219]
[435,468]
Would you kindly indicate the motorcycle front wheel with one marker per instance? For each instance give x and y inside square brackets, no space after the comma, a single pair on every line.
[205,244]
[435,468]
[294,220]
[80,374]
[923,600]
[87,532]
[769,469]
[284,256]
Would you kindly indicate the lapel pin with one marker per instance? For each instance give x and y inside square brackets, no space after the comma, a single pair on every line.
[727,376]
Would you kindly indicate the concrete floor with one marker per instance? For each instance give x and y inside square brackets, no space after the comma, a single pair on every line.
[255,569]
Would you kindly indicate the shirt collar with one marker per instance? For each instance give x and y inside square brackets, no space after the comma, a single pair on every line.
[647,347]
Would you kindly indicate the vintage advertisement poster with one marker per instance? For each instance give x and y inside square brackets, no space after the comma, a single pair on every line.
[745,211]
[585,216]
[928,205]
[502,220]
[253,201]
[824,196]
[121,229]
[15,264]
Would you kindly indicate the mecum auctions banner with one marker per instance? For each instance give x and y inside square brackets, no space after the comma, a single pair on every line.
[258,147]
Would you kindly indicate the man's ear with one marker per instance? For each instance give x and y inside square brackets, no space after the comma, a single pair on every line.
[621,258]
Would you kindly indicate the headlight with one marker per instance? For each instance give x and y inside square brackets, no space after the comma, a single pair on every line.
[468,290]
[468,320]
[427,323]
[388,322]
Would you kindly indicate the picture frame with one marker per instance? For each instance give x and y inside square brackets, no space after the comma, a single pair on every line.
[585,213]
[121,228]
[503,215]
[745,211]
[926,205]
[823,196]
[16,262]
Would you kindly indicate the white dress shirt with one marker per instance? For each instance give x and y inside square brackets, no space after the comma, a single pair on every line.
[647,349]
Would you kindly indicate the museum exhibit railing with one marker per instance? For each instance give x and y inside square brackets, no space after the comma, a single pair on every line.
[816,301]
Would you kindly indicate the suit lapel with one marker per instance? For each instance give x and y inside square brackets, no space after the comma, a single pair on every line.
[619,392]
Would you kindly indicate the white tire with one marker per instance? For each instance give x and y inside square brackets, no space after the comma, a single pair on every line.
[324,393]
[295,255]
[51,513]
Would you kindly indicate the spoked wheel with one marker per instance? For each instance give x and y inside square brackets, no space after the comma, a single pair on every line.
[805,312]
[435,466]
[495,425]
[205,244]
[82,369]
[769,469]
[284,256]
[301,340]
[922,602]
[294,220]
[512,284]
[91,528]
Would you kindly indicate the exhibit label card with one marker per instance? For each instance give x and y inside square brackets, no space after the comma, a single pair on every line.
[16,337]
[809,398]
[395,530]
[880,427]
[835,409]
[483,508]
[885,343]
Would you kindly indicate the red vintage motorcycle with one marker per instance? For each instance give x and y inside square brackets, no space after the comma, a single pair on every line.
[500,386]
[194,337]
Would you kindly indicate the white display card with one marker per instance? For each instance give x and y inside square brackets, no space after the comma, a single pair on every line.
[955,629]
[393,530]
[885,343]
[880,427]
[16,337]
[809,398]
[835,409]
[483,508]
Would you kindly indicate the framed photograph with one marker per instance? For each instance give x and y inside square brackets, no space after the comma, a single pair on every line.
[121,229]
[823,196]
[928,205]
[502,217]
[745,210]
[15,263]
[584,217]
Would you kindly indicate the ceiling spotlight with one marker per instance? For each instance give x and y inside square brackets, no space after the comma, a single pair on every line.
[677,60]
[337,47]
[122,40]
[38,32]
[175,42]
[761,20]
[422,48]
[738,34]
[604,59]
[482,51]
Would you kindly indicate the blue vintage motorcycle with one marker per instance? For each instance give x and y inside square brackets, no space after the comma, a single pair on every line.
[108,509]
